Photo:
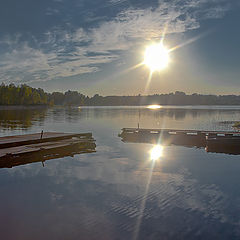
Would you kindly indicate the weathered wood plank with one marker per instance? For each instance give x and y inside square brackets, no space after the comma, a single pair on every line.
[44,151]
[171,131]
[31,148]
[20,140]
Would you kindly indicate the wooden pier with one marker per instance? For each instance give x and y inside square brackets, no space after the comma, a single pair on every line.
[20,140]
[22,149]
[213,141]
[179,131]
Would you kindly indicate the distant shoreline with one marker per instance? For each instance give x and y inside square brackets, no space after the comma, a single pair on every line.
[161,106]
[165,107]
[11,95]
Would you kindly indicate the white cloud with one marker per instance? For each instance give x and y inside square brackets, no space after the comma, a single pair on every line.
[35,65]
[65,54]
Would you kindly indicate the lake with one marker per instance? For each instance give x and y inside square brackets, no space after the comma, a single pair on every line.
[118,192]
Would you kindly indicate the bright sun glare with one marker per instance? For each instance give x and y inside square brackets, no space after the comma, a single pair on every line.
[156,152]
[156,57]
[154,106]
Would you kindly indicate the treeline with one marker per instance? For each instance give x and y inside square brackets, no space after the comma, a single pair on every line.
[177,98]
[22,95]
[25,95]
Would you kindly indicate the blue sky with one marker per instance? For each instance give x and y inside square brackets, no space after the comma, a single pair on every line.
[89,46]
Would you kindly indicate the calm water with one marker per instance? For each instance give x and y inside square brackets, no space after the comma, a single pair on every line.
[117,192]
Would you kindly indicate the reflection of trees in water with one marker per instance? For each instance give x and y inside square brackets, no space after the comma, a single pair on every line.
[66,114]
[74,114]
[176,114]
[24,117]
[181,114]
[21,118]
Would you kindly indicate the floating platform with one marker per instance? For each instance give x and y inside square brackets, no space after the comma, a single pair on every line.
[23,149]
[212,141]
[20,140]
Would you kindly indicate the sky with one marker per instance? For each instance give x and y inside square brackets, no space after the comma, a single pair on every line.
[92,46]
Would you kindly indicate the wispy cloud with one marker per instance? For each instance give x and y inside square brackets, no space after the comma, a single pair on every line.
[66,53]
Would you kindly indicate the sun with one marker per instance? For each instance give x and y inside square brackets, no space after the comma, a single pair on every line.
[156,57]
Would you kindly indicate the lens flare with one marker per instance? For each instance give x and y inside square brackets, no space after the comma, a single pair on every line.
[156,152]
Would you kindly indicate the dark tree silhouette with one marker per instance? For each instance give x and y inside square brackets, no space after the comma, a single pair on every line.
[25,95]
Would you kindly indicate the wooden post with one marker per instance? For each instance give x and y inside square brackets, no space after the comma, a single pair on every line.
[41,134]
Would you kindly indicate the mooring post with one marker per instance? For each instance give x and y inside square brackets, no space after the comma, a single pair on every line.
[41,134]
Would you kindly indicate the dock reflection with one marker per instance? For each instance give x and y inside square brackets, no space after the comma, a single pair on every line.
[180,139]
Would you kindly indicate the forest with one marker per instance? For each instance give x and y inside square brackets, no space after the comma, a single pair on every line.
[26,95]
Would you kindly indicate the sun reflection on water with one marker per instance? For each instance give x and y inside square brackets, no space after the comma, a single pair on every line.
[154,106]
[156,152]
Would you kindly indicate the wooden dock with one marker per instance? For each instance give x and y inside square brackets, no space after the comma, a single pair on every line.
[213,141]
[179,131]
[20,140]
[22,149]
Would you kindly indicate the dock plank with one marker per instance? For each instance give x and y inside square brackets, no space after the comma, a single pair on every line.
[27,139]
[154,130]
[31,148]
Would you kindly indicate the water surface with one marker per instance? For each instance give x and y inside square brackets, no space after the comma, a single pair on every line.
[118,192]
